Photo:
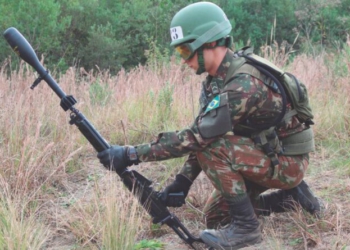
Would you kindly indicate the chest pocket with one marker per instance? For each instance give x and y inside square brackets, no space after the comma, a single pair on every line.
[216,119]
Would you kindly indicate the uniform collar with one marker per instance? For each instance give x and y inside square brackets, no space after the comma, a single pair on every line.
[224,66]
[216,83]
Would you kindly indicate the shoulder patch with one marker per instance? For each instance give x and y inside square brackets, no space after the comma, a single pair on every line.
[215,103]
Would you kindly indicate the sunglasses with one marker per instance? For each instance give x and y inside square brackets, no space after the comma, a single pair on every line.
[185,51]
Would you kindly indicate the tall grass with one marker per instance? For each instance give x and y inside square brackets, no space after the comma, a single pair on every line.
[53,190]
[20,227]
[108,217]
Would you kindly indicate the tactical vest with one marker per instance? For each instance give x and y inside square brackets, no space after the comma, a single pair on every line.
[265,135]
[289,87]
[279,81]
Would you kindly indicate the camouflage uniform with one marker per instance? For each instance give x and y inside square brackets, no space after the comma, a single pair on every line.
[231,160]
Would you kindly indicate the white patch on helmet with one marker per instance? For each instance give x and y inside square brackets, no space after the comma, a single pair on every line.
[176,33]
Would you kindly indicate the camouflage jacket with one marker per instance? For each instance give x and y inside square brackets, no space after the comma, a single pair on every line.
[248,98]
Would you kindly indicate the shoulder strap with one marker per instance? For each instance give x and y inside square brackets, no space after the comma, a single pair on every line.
[279,87]
[246,63]
[236,64]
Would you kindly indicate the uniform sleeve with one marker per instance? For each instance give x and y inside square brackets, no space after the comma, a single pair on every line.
[191,169]
[173,144]
[244,98]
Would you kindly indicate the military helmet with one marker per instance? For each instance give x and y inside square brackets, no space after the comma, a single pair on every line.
[201,22]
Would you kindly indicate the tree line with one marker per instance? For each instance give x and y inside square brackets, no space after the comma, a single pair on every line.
[115,34]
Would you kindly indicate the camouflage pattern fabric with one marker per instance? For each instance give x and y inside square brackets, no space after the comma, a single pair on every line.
[232,161]
[216,209]
[227,160]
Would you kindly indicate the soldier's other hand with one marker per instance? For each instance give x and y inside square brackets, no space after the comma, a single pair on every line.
[180,184]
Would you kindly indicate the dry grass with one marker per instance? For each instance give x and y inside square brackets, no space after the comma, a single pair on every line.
[55,195]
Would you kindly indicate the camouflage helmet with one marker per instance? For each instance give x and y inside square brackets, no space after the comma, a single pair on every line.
[201,22]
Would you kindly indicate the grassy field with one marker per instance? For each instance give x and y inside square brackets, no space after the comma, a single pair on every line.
[54,194]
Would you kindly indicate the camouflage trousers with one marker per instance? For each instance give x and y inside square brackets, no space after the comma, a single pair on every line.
[235,166]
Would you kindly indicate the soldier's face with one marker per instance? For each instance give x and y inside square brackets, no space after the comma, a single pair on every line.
[192,62]
[209,61]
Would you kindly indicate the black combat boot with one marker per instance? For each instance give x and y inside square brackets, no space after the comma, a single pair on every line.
[244,229]
[286,200]
[276,202]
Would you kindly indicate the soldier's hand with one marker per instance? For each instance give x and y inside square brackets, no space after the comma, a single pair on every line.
[180,184]
[118,157]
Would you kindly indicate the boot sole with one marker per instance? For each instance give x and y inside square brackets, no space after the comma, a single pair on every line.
[245,244]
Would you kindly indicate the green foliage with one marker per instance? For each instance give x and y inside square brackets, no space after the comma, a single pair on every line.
[102,48]
[149,244]
[122,34]
[253,20]
[322,23]
[38,21]
[83,19]
[134,26]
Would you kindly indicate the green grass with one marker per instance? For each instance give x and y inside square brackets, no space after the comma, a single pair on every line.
[149,244]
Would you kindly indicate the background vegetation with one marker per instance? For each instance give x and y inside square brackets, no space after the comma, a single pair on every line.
[114,34]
